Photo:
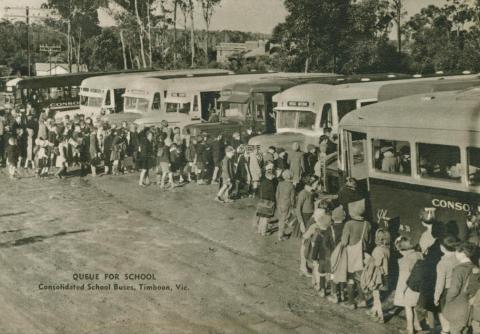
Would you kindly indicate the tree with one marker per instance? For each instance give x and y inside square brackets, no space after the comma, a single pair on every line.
[80,19]
[397,14]
[191,11]
[208,7]
[104,54]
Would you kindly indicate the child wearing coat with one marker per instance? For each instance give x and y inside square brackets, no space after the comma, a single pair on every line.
[12,152]
[444,277]
[30,144]
[404,296]
[336,229]
[457,307]
[321,245]
[375,273]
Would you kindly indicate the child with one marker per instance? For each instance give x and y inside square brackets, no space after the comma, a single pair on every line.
[228,176]
[337,288]
[190,156]
[163,165]
[310,159]
[321,244]
[268,189]
[457,307]
[404,296]
[255,167]
[30,143]
[281,163]
[374,276]
[285,199]
[12,153]
[444,276]
[175,162]
[61,161]
[321,165]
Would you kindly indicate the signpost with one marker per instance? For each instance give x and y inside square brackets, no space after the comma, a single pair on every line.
[50,49]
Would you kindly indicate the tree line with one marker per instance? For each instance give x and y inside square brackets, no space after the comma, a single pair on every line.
[347,36]
[342,36]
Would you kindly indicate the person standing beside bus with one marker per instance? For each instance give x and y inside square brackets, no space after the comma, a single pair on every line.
[147,159]
[227,178]
[356,239]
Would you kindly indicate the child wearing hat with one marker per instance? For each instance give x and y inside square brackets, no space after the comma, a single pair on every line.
[281,162]
[356,238]
[297,163]
[321,245]
[404,296]
[374,276]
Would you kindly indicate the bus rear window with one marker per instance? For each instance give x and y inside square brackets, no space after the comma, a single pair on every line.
[473,155]
[286,119]
[392,156]
[439,162]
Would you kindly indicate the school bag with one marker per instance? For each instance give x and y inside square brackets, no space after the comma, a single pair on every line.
[415,280]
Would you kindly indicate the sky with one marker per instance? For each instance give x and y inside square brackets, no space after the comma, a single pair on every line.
[245,15]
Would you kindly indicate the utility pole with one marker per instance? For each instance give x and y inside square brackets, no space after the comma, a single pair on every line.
[27,17]
[50,49]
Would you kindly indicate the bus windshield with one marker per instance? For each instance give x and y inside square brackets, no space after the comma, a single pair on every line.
[136,104]
[90,101]
[295,119]
[183,108]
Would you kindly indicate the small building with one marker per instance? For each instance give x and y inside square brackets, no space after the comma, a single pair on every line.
[226,50]
[42,69]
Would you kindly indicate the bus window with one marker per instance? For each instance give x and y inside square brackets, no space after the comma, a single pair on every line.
[392,156]
[286,119]
[260,110]
[83,100]
[195,103]
[326,119]
[142,105]
[344,107]
[108,100]
[439,161]
[185,109]
[171,107]
[306,120]
[473,155]
[130,103]
[156,101]
[356,148]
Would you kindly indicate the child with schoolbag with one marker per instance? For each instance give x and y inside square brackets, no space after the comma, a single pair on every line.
[457,304]
[404,295]
[375,274]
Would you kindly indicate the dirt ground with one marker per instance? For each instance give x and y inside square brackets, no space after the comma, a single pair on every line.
[223,278]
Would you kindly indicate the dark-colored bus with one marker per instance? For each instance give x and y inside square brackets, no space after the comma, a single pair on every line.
[416,152]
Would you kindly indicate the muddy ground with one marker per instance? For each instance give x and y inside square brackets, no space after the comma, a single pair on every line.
[230,280]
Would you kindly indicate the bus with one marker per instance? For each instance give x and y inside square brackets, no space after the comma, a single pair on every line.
[433,159]
[105,93]
[57,92]
[253,101]
[304,111]
[186,100]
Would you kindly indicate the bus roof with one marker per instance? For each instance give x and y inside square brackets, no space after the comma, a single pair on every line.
[217,83]
[396,90]
[122,80]
[317,94]
[451,111]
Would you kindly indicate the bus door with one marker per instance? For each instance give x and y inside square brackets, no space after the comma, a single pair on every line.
[118,98]
[208,101]
[356,155]
[270,117]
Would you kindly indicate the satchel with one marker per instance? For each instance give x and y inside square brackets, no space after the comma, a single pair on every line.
[265,208]
[415,280]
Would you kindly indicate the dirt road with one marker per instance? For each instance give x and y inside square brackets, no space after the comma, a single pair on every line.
[212,273]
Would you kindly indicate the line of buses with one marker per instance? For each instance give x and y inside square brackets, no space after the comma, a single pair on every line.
[428,125]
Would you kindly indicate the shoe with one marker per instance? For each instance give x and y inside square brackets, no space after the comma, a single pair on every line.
[228,200]
[350,306]
[322,293]
[218,199]
[333,299]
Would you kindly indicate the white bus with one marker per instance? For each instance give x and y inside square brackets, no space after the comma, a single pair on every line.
[105,93]
[304,111]
[185,100]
